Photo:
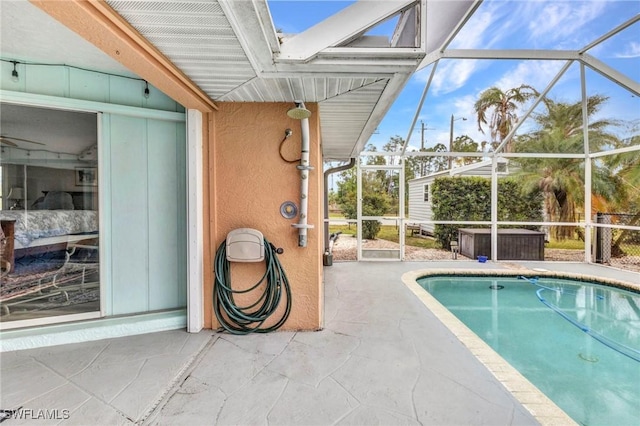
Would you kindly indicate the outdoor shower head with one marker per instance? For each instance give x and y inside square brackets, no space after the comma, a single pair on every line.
[299,112]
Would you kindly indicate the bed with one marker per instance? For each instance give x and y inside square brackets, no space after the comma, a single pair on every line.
[50,224]
[43,227]
[48,253]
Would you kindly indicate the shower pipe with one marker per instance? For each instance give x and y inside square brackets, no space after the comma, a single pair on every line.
[303,114]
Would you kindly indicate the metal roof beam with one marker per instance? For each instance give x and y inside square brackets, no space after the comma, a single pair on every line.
[611,33]
[610,73]
[419,107]
[320,67]
[559,55]
[254,29]
[461,23]
[340,28]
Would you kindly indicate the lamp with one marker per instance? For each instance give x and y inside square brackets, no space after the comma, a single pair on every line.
[17,195]
[14,74]
[146,89]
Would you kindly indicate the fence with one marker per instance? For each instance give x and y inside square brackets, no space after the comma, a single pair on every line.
[617,246]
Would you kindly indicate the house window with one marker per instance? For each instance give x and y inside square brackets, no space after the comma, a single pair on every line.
[426,193]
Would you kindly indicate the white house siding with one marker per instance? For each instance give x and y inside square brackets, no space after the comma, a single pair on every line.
[420,210]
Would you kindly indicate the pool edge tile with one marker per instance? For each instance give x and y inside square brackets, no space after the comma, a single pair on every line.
[533,399]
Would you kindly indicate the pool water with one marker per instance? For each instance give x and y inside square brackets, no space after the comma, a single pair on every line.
[578,342]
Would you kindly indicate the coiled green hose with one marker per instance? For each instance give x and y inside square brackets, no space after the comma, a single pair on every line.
[248,319]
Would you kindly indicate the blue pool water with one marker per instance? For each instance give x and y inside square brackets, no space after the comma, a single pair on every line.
[578,342]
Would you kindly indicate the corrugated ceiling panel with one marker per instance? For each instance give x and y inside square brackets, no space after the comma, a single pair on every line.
[306,89]
[196,36]
[344,117]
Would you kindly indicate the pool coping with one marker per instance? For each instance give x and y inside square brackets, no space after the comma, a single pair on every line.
[541,407]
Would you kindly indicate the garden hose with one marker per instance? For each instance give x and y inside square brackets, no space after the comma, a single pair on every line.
[616,346]
[249,319]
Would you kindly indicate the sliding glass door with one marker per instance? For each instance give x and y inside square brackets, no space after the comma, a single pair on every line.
[50,216]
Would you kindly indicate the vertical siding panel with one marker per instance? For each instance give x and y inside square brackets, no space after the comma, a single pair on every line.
[129,221]
[164,203]
[181,243]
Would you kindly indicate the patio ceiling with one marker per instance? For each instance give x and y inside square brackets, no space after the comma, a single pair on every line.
[231,51]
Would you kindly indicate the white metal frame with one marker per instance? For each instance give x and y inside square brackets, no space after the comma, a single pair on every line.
[400,220]
[195,223]
[584,59]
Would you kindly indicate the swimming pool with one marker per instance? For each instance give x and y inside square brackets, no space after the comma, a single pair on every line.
[577,342]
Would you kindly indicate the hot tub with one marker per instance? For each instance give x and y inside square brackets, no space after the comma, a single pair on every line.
[513,244]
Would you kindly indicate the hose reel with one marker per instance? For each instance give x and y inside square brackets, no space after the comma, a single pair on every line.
[249,245]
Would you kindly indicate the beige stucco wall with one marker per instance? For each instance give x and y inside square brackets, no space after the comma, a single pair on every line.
[248,181]
[245,181]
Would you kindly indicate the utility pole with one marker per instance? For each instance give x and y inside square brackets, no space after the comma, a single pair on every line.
[422,159]
[451,136]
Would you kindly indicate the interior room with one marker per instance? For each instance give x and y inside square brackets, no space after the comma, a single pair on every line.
[49,184]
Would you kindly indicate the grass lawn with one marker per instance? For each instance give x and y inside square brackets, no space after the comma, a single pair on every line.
[565,244]
[389,233]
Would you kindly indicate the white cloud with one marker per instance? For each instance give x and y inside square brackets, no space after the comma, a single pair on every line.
[559,22]
[453,74]
[632,50]
[537,74]
[472,34]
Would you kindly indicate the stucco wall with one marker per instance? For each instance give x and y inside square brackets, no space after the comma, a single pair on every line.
[248,183]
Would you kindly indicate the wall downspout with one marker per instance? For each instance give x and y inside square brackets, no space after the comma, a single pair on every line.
[350,164]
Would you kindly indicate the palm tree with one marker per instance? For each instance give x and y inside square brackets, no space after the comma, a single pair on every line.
[560,129]
[501,107]
[628,165]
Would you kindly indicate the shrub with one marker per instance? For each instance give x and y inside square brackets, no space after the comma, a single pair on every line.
[373,205]
[469,198]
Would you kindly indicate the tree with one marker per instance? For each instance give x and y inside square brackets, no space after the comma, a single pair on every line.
[628,166]
[501,109]
[376,200]
[562,179]
[464,144]
[426,165]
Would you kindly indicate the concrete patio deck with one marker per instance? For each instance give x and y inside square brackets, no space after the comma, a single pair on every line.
[382,358]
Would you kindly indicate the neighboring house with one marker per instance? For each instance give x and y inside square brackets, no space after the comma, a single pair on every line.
[420,195]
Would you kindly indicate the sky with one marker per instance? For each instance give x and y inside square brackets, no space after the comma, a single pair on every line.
[500,24]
